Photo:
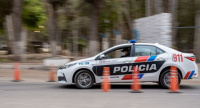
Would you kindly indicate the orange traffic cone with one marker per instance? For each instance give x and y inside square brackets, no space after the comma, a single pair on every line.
[174,81]
[135,87]
[105,86]
[52,74]
[16,73]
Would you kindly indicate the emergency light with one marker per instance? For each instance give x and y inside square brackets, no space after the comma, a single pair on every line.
[132,41]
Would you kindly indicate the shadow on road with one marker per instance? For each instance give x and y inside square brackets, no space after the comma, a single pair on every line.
[128,86]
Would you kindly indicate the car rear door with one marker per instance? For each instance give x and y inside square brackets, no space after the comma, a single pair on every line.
[149,59]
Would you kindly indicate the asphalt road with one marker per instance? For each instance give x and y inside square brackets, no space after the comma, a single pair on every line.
[53,95]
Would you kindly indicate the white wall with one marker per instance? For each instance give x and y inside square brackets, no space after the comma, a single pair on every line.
[155,29]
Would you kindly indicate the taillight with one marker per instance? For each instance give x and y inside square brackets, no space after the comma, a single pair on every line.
[191,58]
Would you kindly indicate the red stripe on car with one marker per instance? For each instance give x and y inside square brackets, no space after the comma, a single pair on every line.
[142,59]
[186,76]
[127,77]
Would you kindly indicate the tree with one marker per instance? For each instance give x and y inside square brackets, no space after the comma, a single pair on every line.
[5,9]
[185,17]
[158,6]
[174,6]
[128,17]
[17,25]
[33,14]
[197,31]
[52,6]
[147,7]
[93,29]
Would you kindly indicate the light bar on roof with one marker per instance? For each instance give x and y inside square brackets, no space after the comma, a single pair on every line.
[132,41]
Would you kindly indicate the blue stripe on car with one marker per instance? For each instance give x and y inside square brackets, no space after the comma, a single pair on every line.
[141,75]
[192,73]
[152,58]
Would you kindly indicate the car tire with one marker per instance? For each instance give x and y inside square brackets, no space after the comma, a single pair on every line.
[165,79]
[84,79]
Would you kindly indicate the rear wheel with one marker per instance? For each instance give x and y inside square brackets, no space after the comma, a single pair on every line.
[84,79]
[164,80]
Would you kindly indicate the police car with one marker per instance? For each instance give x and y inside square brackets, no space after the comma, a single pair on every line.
[152,60]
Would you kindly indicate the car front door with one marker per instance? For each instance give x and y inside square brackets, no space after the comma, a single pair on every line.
[119,65]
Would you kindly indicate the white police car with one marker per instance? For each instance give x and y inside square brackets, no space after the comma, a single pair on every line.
[153,60]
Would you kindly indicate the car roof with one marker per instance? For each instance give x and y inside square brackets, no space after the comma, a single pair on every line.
[165,48]
[146,44]
[139,44]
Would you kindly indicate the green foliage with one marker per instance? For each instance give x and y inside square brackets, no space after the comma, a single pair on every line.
[57,2]
[83,8]
[109,14]
[139,8]
[33,14]
[81,42]
[5,9]
[186,17]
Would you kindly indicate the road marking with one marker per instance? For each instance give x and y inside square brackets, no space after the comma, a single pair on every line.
[190,94]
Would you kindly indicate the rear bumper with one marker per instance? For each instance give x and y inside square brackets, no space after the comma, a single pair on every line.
[192,73]
[196,73]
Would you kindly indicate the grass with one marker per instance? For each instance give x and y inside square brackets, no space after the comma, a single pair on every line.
[5,60]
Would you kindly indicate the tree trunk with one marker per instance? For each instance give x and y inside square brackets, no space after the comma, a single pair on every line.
[128,19]
[174,8]
[58,40]
[9,33]
[197,32]
[135,5]
[93,33]
[51,11]
[166,6]
[17,25]
[120,27]
[158,6]
[75,42]
[147,8]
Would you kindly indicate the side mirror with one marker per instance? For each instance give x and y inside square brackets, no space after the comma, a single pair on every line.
[102,56]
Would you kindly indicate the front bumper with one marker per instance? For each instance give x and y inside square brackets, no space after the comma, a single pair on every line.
[65,76]
[61,77]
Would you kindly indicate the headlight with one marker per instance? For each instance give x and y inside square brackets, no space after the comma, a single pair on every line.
[67,66]
[63,67]
[70,65]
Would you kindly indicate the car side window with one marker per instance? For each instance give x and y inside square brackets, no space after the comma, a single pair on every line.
[159,51]
[147,50]
[118,53]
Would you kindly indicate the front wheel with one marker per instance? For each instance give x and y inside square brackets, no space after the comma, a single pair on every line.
[164,80]
[84,79]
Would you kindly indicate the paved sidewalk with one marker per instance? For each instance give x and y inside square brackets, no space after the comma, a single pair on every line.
[26,75]
[34,66]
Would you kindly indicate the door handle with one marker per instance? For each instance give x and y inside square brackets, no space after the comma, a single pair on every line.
[127,61]
[161,58]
